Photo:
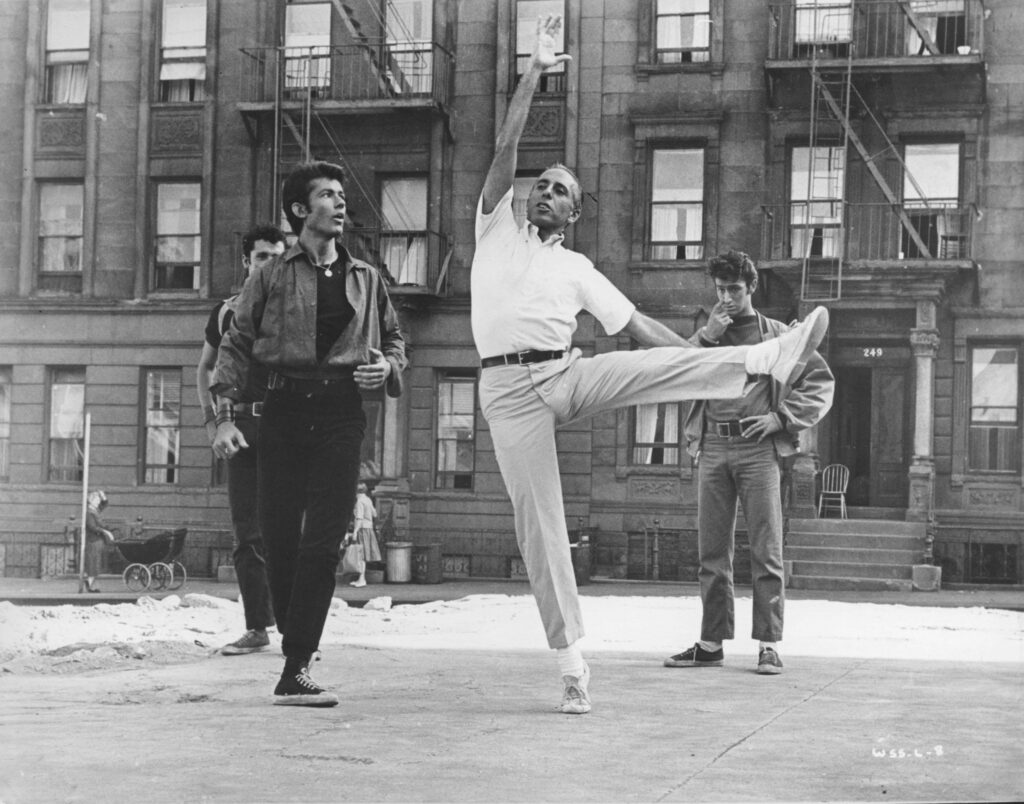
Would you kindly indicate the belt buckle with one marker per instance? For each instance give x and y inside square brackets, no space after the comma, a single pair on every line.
[257,408]
[725,429]
[521,356]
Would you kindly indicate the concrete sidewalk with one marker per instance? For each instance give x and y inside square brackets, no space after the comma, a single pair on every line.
[468,726]
[63,591]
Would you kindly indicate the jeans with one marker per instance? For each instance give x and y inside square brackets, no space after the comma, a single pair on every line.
[250,566]
[734,468]
[308,470]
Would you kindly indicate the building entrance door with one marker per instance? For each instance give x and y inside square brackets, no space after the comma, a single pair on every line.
[871,435]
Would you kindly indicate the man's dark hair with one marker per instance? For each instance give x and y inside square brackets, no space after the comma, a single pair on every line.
[297,185]
[733,266]
[262,231]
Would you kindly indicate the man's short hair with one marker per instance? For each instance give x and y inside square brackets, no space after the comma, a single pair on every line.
[297,185]
[263,231]
[733,266]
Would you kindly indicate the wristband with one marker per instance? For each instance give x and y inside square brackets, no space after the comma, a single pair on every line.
[225,415]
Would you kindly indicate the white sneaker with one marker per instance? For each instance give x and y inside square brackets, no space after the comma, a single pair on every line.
[575,697]
[786,356]
[360,582]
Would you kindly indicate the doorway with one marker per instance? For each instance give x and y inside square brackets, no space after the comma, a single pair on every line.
[871,434]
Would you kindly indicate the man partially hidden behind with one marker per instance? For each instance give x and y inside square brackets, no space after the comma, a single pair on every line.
[738,443]
[527,290]
[322,323]
[260,246]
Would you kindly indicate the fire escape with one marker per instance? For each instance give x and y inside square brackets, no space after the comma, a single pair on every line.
[839,60]
[358,75]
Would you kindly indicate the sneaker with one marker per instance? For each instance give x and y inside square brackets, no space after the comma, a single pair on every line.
[785,357]
[575,698]
[359,583]
[696,657]
[301,690]
[768,662]
[249,642]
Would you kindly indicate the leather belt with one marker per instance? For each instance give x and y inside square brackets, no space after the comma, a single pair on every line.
[732,427]
[297,385]
[521,358]
[249,408]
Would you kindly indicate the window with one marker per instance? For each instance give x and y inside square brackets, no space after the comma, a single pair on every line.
[527,13]
[410,51]
[307,48]
[656,434]
[456,426]
[162,425]
[682,31]
[5,423]
[944,22]
[183,51]
[994,439]
[67,51]
[816,187]
[824,26]
[66,434]
[60,228]
[931,197]
[403,243]
[178,239]
[677,204]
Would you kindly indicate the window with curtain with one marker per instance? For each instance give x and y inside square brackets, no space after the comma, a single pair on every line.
[816,186]
[656,434]
[527,13]
[994,435]
[183,51]
[162,418]
[944,22]
[5,423]
[307,47]
[410,55]
[677,204]
[178,239]
[67,51]
[66,424]
[931,198]
[60,228]
[682,31]
[403,241]
[456,427]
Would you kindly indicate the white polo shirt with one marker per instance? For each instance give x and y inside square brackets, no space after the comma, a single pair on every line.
[526,294]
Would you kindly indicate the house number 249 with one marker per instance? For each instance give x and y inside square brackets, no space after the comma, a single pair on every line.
[873,351]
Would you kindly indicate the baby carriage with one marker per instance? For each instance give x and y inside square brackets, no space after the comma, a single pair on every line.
[153,561]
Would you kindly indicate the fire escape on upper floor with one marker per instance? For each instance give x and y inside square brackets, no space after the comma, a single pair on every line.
[342,64]
[861,196]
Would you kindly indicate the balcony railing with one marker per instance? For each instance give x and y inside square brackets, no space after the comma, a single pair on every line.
[412,258]
[370,71]
[872,231]
[875,29]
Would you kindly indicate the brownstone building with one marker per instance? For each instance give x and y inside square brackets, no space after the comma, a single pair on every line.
[868,153]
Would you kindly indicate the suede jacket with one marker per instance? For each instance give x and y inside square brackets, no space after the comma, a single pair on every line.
[798,407]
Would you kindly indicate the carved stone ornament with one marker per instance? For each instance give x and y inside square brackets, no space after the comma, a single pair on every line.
[177,134]
[543,123]
[61,133]
[657,488]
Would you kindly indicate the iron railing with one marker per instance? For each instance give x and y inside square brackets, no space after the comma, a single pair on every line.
[413,259]
[875,29]
[368,71]
[834,229]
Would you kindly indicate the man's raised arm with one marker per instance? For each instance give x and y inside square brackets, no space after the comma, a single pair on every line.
[503,166]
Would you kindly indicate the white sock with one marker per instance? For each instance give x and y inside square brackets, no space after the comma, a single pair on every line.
[570,661]
[767,645]
[708,645]
[762,357]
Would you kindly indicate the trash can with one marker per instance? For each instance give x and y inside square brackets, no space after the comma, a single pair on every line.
[581,562]
[426,563]
[399,562]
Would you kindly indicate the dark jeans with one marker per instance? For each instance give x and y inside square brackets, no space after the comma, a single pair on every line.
[735,468]
[250,566]
[309,467]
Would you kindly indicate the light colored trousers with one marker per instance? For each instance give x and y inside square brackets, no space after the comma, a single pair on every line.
[524,404]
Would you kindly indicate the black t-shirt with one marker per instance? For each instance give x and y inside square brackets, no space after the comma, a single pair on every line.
[334,311]
[216,326]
